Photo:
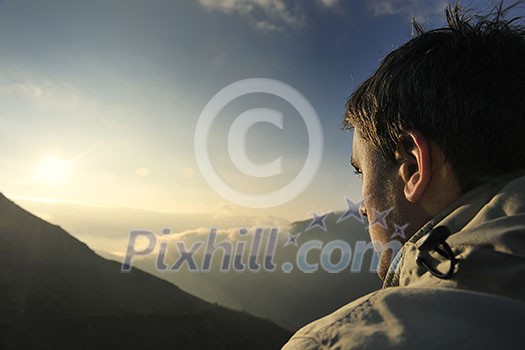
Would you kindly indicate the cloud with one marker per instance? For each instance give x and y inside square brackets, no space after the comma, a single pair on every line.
[328,3]
[412,8]
[266,15]
[43,93]
[106,229]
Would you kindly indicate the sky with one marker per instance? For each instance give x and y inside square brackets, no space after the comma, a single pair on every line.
[104,106]
[100,100]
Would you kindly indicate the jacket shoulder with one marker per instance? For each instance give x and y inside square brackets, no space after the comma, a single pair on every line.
[415,318]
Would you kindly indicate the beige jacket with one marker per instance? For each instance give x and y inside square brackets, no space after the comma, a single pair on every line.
[482,304]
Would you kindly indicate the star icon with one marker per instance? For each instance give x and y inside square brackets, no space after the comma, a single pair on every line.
[292,239]
[352,210]
[318,221]
[379,218]
[399,231]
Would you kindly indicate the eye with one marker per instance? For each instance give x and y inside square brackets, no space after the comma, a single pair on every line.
[357,170]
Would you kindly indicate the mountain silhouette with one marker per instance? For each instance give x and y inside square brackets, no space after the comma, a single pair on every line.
[56,293]
[295,298]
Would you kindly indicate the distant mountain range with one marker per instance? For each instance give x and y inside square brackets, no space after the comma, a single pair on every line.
[290,299]
[56,293]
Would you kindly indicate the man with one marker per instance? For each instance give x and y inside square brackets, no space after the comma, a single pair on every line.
[438,141]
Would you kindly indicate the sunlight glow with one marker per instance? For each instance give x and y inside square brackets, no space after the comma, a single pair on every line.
[52,171]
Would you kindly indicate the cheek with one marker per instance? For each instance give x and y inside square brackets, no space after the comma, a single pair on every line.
[372,205]
[377,200]
[372,193]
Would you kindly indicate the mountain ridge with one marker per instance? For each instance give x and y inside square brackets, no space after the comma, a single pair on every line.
[285,301]
[55,291]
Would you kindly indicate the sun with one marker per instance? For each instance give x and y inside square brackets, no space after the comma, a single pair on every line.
[52,171]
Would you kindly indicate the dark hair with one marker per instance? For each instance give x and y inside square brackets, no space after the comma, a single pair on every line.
[462,86]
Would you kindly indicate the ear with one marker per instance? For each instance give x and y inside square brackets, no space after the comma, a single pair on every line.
[415,165]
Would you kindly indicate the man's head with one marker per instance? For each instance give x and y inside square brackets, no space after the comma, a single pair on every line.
[442,114]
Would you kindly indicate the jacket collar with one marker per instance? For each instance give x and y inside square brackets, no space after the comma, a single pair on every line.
[487,233]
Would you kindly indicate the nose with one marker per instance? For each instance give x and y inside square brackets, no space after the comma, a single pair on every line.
[362,210]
